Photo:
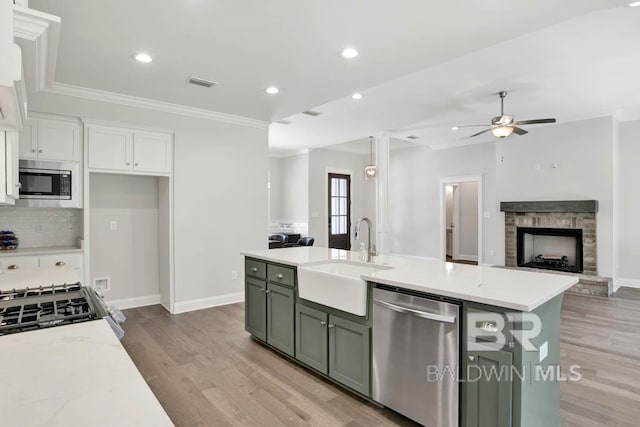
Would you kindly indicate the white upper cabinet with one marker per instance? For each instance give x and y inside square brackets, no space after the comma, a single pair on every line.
[9,185]
[110,148]
[58,139]
[117,149]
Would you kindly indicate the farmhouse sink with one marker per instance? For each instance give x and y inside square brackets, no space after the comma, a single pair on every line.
[337,284]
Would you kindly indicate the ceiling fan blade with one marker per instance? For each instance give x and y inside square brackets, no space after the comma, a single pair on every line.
[518,131]
[534,122]
[479,133]
[471,126]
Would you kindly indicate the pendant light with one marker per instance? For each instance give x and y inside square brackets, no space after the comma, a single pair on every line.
[370,171]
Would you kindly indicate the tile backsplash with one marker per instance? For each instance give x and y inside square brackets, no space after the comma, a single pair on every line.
[41,227]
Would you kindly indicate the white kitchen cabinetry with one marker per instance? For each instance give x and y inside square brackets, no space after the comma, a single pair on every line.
[51,138]
[118,149]
[9,177]
[73,260]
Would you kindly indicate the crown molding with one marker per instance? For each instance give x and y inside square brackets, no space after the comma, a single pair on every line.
[149,104]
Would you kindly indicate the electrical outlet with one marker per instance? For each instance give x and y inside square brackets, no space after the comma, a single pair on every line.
[234,275]
[113,225]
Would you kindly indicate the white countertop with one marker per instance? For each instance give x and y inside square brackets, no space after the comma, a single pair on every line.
[514,289]
[73,376]
[40,251]
[34,277]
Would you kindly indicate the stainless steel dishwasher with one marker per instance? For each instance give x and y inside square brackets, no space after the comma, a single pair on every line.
[416,357]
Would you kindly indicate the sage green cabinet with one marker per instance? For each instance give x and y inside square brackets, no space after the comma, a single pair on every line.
[311,338]
[334,346]
[255,308]
[488,388]
[280,318]
[350,353]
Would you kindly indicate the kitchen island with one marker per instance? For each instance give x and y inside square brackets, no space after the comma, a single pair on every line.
[495,331]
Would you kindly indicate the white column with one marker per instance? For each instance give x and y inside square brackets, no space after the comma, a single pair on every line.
[382,142]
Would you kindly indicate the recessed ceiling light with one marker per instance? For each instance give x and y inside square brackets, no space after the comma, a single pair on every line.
[356,95]
[349,53]
[143,57]
[455,128]
[272,90]
[634,4]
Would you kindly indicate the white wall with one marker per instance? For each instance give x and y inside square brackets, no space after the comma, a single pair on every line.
[629,204]
[295,188]
[362,191]
[128,255]
[414,196]
[468,205]
[275,189]
[220,184]
[583,153]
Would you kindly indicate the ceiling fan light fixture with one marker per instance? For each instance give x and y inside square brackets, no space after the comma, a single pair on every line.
[502,131]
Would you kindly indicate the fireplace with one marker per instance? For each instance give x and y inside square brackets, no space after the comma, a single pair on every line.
[550,248]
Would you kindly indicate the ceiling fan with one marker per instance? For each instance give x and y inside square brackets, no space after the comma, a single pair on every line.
[503,125]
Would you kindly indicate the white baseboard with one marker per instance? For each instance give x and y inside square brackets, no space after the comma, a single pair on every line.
[143,301]
[463,257]
[199,304]
[628,283]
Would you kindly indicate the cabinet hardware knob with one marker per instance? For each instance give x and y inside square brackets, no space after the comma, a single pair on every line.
[60,263]
[33,150]
[268,291]
[13,267]
[254,270]
[39,151]
[471,358]
[279,276]
[322,322]
[331,326]
[135,164]
[262,289]
[19,185]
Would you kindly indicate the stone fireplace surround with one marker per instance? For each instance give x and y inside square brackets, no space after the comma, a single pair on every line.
[575,214]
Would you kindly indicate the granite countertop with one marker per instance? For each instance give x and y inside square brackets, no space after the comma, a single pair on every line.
[40,251]
[73,376]
[501,287]
[34,277]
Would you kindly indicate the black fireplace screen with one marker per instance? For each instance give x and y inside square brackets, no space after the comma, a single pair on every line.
[550,248]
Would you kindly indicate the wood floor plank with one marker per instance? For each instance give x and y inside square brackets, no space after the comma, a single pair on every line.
[206,370]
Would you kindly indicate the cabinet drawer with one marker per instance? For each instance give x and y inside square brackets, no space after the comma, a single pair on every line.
[18,262]
[255,268]
[60,260]
[281,275]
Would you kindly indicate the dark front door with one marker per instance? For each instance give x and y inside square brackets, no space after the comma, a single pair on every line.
[339,211]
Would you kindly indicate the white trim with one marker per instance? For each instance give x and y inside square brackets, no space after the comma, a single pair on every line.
[325,214]
[143,301]
[627,283]
[455,233]
[199,304]
[443,215]
[149,104]
[463,257]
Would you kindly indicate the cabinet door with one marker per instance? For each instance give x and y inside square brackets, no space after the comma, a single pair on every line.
[19,262]
[59,140]
[488,388]
[110,148]
[29,141]
[280,318]
[350,354]
[311,338]
[255,308]
[152,152]
[13,177]
[72,260]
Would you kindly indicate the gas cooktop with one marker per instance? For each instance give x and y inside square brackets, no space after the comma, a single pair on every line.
[46,306]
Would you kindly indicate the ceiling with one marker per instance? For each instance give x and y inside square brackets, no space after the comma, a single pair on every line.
[246,46]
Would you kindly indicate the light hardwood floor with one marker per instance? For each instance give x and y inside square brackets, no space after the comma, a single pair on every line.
[206,371]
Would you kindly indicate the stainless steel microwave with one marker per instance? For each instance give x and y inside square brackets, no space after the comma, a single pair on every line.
[49,184]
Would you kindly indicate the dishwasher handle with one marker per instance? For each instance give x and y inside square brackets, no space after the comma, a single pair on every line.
[423,314]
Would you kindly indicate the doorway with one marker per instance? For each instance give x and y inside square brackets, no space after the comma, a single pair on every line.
[461,222]
[339,214]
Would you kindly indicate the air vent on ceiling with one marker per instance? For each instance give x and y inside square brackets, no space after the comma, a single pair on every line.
[283,122]
[311,113]
[413,137]
[201,82]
